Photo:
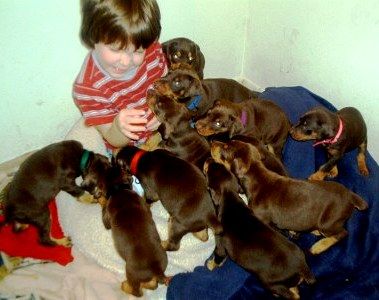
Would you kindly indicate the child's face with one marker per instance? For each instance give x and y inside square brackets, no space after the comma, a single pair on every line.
[118,62]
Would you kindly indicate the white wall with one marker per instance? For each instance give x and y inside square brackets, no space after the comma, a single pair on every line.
[41,55]
[329,47]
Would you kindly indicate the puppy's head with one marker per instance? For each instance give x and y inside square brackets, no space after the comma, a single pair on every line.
[181,82]
[219,119]
[314,125]
[182,50]
[219,179]
[95,175]
[124,158]
[236,156]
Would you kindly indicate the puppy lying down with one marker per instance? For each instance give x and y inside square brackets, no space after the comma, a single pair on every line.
[82,222]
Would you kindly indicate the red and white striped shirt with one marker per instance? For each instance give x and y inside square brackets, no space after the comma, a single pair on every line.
[100,97]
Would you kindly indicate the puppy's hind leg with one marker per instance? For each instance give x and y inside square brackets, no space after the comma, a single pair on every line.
[325,243]
[43,224]
[175,233]
[361,158]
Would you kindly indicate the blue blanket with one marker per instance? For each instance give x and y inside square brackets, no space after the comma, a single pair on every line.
[348,270]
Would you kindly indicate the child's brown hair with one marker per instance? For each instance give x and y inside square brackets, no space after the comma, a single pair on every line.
[120,22]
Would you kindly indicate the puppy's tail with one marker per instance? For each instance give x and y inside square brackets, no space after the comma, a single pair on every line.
[358,202]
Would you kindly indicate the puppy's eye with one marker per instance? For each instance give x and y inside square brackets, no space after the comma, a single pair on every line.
[217,124]
[190,58]
[308,132]
[177,83]
[177,55]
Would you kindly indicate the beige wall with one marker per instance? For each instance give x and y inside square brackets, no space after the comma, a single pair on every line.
[329,47]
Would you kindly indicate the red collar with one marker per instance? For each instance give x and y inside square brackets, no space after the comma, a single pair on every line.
[332,140]
[135,160]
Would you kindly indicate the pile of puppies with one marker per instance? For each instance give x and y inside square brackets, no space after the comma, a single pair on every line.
[219,140]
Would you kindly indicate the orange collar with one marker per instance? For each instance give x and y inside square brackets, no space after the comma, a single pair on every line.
[135,160]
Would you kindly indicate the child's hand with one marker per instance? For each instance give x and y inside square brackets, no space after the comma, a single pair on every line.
[153,124]
[130,121]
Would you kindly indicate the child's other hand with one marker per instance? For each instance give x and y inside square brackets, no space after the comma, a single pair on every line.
[153,124]
[131,121]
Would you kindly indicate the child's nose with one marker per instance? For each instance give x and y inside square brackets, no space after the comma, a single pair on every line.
[125,59]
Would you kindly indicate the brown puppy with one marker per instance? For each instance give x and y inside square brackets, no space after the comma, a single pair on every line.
[262,119]
[339,132]
[39,179]
[179,185]
[135,237]
[278,263]
[184,85]
[177,131]
[183,50]
[287,203]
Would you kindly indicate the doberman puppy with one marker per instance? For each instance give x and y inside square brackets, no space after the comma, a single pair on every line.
[41,177]
[338,132]
[259,249]
[184,50]
[287,203]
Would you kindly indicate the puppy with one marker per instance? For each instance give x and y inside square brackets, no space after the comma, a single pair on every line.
[249,242]
[262,119]
[179,185]
[183,50]
[339,132]
[135,237]
[178,134]
[184,85]
[39,179]
[287,203]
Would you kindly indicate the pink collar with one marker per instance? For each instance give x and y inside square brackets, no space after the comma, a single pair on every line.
[244,118]
[332,140]
[135,160]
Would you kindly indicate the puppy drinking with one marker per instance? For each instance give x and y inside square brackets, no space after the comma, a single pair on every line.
[260,118]
[279,264]
[287,203]
[184,50]
[135,237]
[338,132]
[39,179]
[179,185]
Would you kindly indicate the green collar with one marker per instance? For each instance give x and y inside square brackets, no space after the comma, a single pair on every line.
[84,160]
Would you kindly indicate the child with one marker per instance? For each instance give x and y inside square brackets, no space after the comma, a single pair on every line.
[124,60]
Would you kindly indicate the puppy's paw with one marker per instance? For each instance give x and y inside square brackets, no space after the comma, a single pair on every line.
[202,235]
[333,172]
[168,246]
[211,264]
[65,241]
[319,175]
[127,288]
[87,198]
[150,285]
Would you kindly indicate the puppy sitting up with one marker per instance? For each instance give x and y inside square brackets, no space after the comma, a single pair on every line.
[287,203]
[339,132]
[40,178]
[278,263]
[135,237]
[179,185]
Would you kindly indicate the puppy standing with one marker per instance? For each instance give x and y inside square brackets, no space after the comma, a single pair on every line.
[339,132]
[292,204]
[135,238]
[278,263]
[259,118]
[39,179]
[183,50]
[178,134]
[179,185]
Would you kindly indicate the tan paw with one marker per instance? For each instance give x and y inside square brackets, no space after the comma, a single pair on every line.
[202,235]
[87,198]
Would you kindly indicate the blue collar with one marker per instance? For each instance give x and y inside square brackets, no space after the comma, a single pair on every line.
[194,102]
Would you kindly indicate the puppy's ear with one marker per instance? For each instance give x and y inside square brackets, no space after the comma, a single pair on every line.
[238,167]
[216,196]
[165,130]
[236,126]
[326,130]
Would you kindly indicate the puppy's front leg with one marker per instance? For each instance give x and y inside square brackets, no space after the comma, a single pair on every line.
[219,255]
[329,168]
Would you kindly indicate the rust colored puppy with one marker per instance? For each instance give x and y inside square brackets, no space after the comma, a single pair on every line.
[179,185]
[259,249]
[135,237]
[39,179]
[178,134]
[184,85]
[262,119]
[339,132]
[183,50]
[287,203]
